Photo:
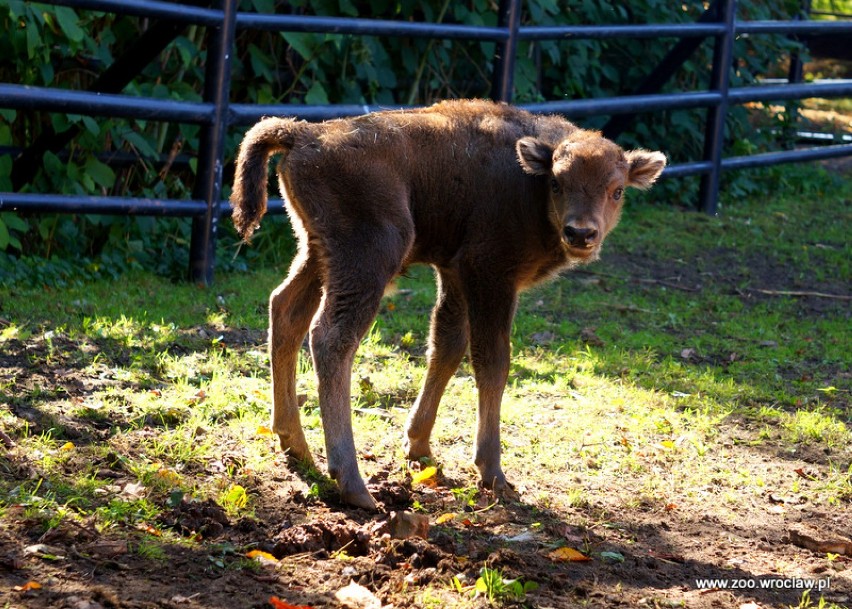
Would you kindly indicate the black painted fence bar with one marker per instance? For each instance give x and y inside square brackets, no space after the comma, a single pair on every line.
[651,30]
[838,88]
[157,9]
[79,204]
[216,114]
[378,27]
[126,106]
[793,27]
[579,108]
[368,27]
[22,97]
[766,159]
[211,155]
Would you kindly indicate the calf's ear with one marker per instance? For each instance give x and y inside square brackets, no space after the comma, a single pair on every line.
[644,167]
[535,156]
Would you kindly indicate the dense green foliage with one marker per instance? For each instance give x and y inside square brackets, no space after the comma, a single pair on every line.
[56,46]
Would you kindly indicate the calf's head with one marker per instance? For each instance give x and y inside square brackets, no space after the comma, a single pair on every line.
[587,176]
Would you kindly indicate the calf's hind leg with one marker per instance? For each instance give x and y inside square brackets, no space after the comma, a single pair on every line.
[356,277]
[291,307]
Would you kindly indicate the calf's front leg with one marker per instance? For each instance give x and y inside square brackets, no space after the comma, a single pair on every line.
[447,345]
[491,308]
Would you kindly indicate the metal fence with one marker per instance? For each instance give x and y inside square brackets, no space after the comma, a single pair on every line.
[216,115]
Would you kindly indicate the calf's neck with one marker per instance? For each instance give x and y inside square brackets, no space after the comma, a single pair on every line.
[494,198]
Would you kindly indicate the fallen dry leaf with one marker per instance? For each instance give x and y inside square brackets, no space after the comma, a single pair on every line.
[566,554]
[30,585]
[803,474]
[133,490]
[169,475]
[666,557]
[147,528]
[45,551]
[445,517]
[427,474]
[108,548]
[834,546]
[356,596]
[262,556]
[403,525]
[279,604]
[180,599]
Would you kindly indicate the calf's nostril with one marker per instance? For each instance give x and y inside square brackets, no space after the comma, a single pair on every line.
[580,237]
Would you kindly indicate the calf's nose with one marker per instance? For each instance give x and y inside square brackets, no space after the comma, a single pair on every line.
[580,237]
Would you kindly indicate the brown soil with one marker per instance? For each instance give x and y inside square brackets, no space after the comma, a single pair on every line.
[663,552]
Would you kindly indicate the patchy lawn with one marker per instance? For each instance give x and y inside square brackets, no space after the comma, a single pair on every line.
[677,421]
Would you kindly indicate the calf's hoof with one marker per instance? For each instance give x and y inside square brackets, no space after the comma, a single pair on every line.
[501,488]
[359,498]
[296,449]
[415,450]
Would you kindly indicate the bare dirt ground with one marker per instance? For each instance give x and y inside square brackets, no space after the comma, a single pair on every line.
[663,554]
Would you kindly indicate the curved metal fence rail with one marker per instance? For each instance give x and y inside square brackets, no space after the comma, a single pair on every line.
[215,114]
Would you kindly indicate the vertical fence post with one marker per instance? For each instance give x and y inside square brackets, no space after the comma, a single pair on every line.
[794,76]
[208,181]
[714,133]
[504,55]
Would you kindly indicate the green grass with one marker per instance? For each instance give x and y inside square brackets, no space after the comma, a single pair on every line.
[658,377]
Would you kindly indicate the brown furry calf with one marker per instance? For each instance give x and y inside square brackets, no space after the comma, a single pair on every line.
[494,198]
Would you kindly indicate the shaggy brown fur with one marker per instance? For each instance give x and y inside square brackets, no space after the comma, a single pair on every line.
[494,198]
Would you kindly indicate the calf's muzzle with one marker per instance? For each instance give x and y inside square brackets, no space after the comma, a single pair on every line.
[580,237]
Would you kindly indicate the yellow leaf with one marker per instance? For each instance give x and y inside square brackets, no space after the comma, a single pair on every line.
[262,430]
[427,473]
[667,444]
[67,446]
[30,585]
[263,556]
[168,475]
[566,554]
[445,518]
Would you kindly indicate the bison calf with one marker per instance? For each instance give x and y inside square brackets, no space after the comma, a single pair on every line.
[496,199]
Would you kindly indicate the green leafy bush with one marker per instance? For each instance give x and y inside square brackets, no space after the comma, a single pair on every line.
[57,46]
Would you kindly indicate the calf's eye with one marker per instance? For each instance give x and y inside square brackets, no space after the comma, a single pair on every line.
[617,193]
[554,185]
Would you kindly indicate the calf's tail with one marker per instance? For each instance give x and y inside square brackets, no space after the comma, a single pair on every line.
[268,137]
